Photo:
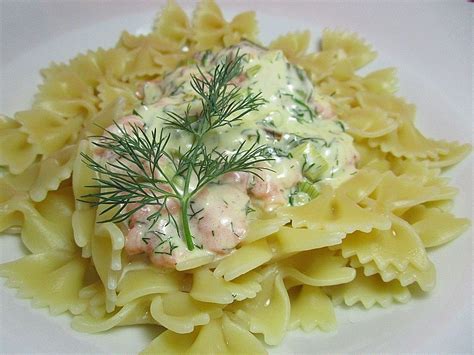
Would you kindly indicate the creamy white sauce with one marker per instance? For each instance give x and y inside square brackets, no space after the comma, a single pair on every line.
[304,137]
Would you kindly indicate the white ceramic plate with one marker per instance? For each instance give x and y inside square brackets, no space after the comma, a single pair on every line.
[430,43]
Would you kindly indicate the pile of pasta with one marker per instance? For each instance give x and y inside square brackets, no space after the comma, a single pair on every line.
[364,242]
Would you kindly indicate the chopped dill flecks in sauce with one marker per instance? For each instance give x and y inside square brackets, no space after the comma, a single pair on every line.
[270,143]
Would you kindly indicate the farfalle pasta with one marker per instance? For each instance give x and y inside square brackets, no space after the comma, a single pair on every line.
[355,226]
[211,30]
[17,154]
[45,225]
[52,279]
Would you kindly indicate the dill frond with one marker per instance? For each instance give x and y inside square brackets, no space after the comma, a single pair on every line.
[137,179]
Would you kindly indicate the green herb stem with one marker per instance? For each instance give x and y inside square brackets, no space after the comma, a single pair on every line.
[132,178]
[185,220]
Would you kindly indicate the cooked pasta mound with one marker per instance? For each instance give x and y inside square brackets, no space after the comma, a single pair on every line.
[341,206]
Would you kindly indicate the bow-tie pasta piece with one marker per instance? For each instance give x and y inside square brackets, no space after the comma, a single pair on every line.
[399,193]
[343,86]
[311,308]
[434,226]
[147,281]
[361,185]
[347,92]
[212,31]
[94,296]
[102,71]
[243,26]
[320,65]
[10,219]
[269,312]
[369,290]
[335,212]
[399,246]
[53,69]
[371,158]
[67,95]
[106,117]
[16,152]
[407,141]
[383,81]
[44,175]
[180,313]
[419,169]
[294,45]
[170,58]
[340,55]
[198,260]
[395,106]
[92,67]
[342,94]
[357,50]
[442,205]
[173,24]
[51,279]
[135,312]
[369,122]
[213,289]
[220,336]
[100,65]
[48,130]
[264,226]
[109,91]
[142,52]
[291,240]
[106,250]
[84,216]
[343,70]
[453,153]
[45,225]
[51,172]
[244,259]
[319,267]
[426,279]
[82,177]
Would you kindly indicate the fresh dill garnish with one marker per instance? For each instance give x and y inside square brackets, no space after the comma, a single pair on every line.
[279,152]
[137,178]
[193,212]
[341,125]
[248,209]
[135,112]
[222,102]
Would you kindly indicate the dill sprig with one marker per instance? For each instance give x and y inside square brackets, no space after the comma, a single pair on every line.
[138,178]
[222,102]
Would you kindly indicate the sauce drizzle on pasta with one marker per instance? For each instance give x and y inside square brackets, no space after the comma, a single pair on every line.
[307,143]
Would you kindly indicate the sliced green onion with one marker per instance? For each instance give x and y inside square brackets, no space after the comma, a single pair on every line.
[253,70]
[308,189]
[313,164]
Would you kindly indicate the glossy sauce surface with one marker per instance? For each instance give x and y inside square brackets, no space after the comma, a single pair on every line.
[307,142]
